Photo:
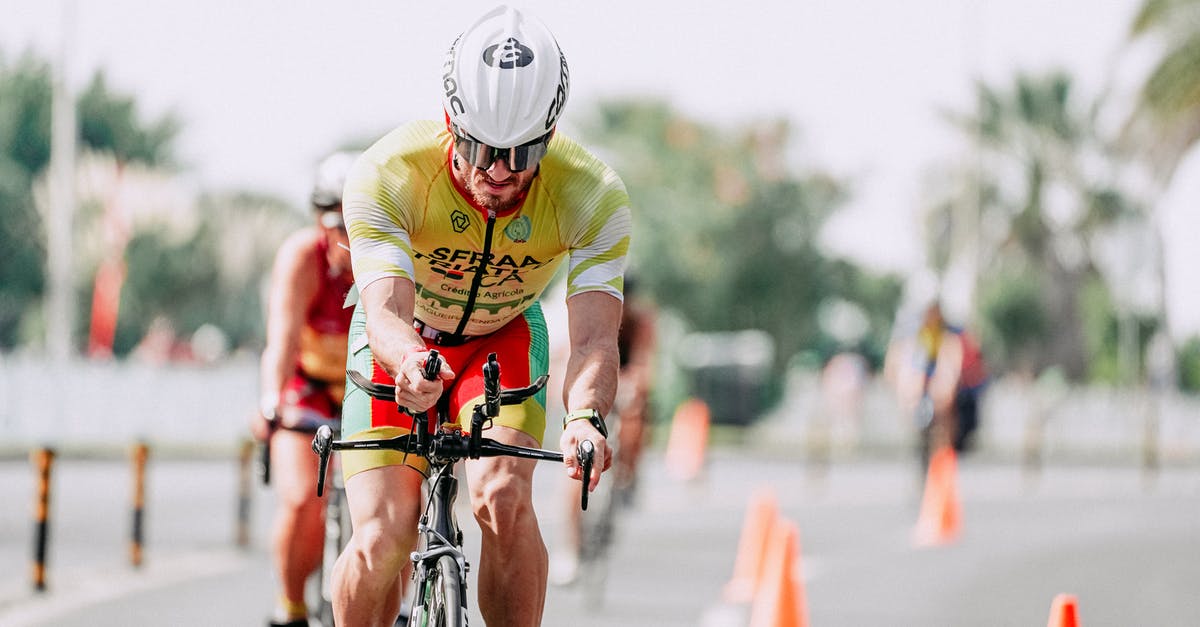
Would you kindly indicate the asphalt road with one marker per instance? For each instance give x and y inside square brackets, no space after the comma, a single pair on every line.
[1124,543]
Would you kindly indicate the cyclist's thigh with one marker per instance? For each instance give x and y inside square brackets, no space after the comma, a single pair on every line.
[385,500]
[509,472]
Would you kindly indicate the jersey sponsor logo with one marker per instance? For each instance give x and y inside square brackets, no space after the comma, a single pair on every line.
[508,55]
[519,229]
[460,220]
[458,265]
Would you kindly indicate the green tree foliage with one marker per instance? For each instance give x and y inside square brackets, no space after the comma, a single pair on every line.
[108,122]
[1041,201]
[1166,122]
[214,275]
[24,151]
[186,266]
[1189,366]
[726,234]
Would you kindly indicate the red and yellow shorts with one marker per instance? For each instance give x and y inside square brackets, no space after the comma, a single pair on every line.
[307,403]
[522,347]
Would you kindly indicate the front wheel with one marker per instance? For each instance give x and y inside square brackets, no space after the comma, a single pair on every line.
[444,595]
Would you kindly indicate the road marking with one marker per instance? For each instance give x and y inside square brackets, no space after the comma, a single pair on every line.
[73,591]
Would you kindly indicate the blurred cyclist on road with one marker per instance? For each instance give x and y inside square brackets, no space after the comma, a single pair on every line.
[302,379]
[938,375]
[457,225]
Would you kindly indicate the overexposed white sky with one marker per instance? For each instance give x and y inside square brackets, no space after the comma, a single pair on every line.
[265,88]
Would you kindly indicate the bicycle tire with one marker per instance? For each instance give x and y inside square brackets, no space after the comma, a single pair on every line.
[446,597]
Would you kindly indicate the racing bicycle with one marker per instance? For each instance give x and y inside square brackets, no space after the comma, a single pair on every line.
[439,565]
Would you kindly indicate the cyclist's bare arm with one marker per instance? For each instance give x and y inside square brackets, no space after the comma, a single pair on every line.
[294,284]
[388,303]
[638,371]
[590,381]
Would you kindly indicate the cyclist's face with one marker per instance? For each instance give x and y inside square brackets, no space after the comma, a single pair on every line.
[497,187]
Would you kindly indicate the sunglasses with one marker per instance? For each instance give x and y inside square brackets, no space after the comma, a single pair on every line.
[482,156]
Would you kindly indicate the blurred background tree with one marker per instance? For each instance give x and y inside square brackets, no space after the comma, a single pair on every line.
[1032,206]
[190,262]
[728,231]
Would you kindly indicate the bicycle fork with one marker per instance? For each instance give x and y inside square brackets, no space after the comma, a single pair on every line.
[442,536]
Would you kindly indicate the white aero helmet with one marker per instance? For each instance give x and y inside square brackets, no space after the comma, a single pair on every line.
[330,179]
[505,80]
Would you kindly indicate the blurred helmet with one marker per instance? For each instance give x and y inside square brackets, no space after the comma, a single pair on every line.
[505,79]
[330,179]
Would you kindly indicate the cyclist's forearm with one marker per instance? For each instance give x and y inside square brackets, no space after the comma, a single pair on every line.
[282,353]
[277,366]
[389,308]
[590,381]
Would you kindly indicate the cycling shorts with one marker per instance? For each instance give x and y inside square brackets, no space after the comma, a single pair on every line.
[522,348]
[307,403]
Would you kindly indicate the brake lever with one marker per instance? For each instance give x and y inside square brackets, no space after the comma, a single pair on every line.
[322,445]
[586,456]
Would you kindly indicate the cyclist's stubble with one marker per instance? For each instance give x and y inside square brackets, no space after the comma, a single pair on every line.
[497,188]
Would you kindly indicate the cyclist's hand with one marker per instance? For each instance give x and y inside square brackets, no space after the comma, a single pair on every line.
[259,429]
[576,432]
[413,390]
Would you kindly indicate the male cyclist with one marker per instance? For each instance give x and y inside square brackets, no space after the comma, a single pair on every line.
[455,228]
[303,377]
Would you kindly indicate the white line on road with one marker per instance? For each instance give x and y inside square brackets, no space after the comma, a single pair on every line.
[74,591]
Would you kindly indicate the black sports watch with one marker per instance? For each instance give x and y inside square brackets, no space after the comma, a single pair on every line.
[589,415]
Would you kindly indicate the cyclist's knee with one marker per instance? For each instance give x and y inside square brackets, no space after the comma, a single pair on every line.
[378,547]
[501,500]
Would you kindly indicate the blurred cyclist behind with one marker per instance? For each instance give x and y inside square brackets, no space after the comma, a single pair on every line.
[302,380]
[636,343]
[938,375]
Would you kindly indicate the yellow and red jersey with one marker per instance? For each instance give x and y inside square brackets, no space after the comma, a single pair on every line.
[407,218]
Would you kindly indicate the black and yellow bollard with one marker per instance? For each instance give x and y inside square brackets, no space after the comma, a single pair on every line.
[140,453]
[43,460]
[245,465]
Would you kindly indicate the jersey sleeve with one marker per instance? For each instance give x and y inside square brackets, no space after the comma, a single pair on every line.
[380,214]
[599,237]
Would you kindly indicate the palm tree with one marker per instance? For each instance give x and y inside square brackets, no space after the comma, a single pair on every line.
[1038,145]
[1166,121]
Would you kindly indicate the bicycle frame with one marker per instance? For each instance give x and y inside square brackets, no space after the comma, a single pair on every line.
[438,529]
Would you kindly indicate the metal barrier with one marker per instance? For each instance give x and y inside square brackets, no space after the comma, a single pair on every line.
[43,461]
[141,453]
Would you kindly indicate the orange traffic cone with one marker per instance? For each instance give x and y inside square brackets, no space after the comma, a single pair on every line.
[688,439]
[761,516]
[1064,612]
[779,601]
[940,520]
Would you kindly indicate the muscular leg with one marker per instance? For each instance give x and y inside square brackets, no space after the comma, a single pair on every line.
[513,560]
[299,520]
[384,506]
